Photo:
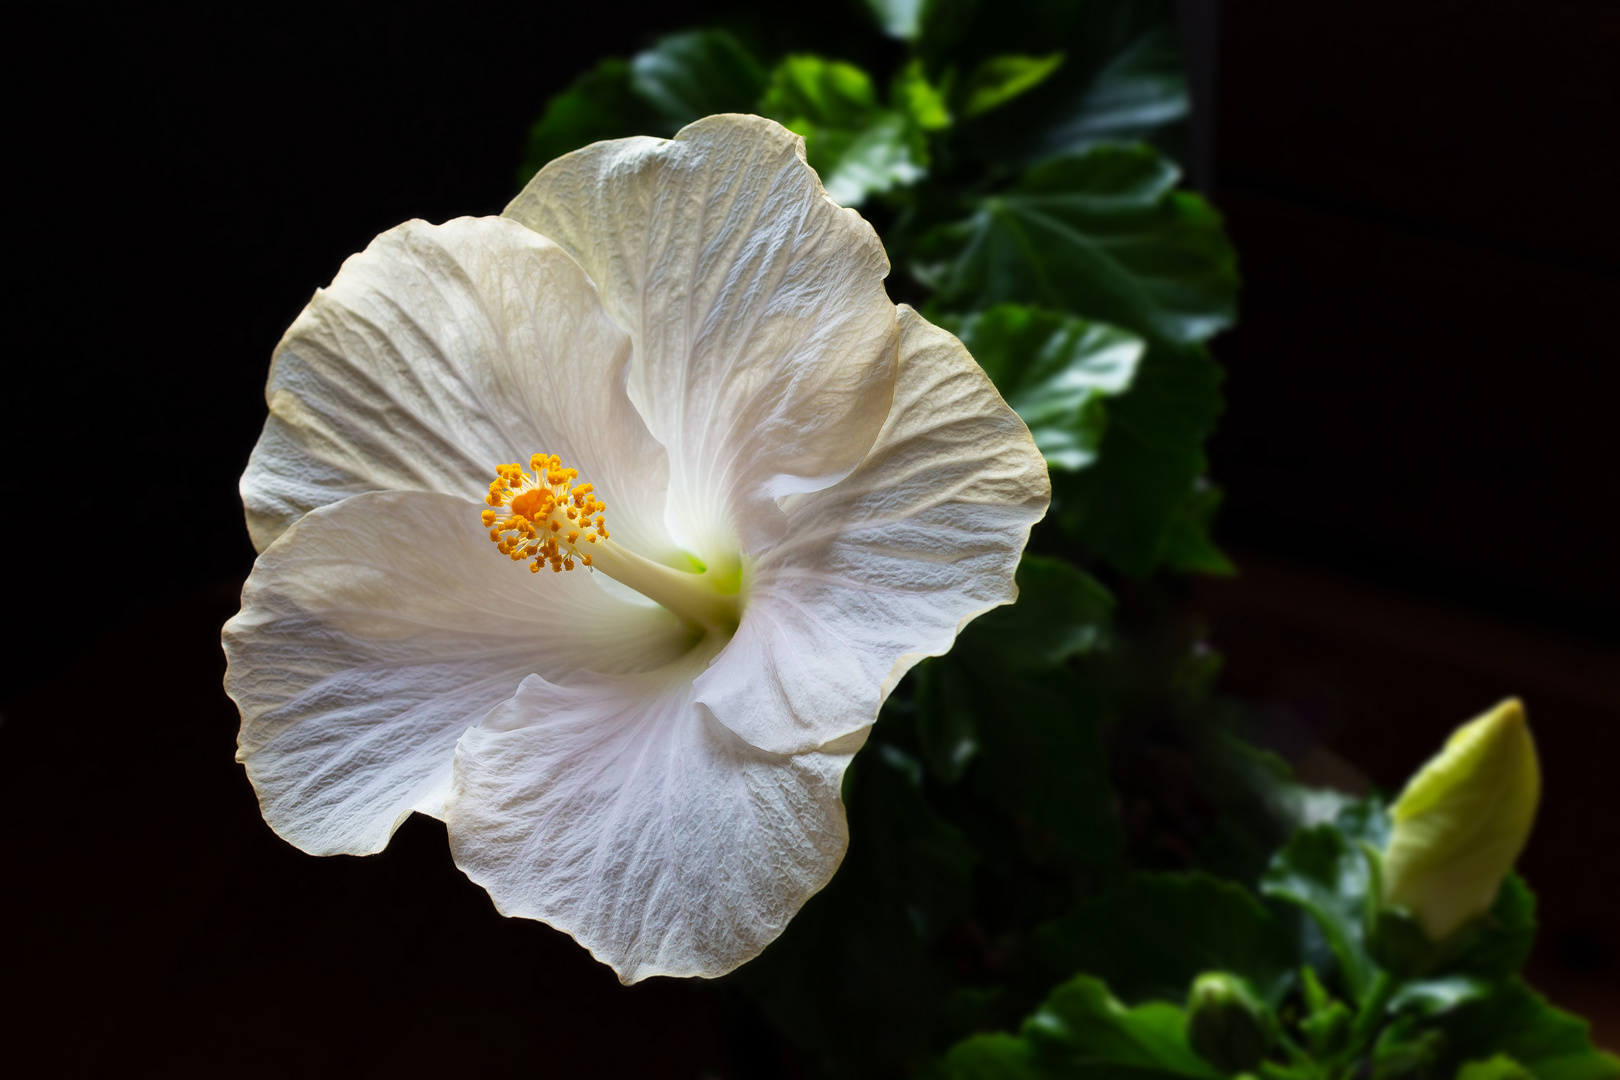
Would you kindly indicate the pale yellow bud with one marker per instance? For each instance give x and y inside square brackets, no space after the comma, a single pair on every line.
[1462,821]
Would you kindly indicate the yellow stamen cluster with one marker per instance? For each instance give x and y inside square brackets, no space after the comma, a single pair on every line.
[544,517]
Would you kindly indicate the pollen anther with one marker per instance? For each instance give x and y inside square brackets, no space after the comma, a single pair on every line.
[530,512]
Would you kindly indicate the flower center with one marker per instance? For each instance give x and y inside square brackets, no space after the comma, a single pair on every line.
[549,519]
[544,517]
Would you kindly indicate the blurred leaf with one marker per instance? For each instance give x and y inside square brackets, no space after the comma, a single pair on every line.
[1082,1031]
[1042,762]
[1324,871]
[854,979]
[682,78]
[1430,997]
[1102,235]
[1061,612]
[1139,91]
[913,94]
[900,19]
[687,76]
[601,104]
[1499,944]
[1500,1067]
[1130,508]
[1188,547]
[826,93]
[1121,80]
[1055,371]
[947,733]
[857,146]
[1152,934]
[1515,1021]
[999,79]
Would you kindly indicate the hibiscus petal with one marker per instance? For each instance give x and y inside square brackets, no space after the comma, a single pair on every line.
[378,629]
[887,566]
[621,812]
[764,342]
[439,352]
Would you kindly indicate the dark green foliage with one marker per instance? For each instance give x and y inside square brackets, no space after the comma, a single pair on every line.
[682,78]
[1082,1031]
[1058,811]
[1152,934]
[859,983]
[1104,234]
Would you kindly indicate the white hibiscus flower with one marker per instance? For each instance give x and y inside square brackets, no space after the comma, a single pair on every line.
[776,491]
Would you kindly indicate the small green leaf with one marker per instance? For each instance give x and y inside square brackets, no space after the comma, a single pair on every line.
[687,76]
[1325,873]
[1102,235]
[1149,936]
[914,95]
[999,79]
[1055,371]
[857,146]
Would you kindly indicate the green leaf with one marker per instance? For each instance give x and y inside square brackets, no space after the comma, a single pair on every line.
[1121,80]
[1061,612]
[682,78]
[1055,371]
[1188,547]
[1324,872]
[1131,506]
[1042,762]
[1082,1026]
[1103,235]
[857,146]
[999,79]
[687,76]
[855,979]
[1431,997]
[1151,935]
[1499,944]
[601,104]
[1519,1023]
[1500,1067]
[1082,1031]
[921,100]
[1139,92]
[900,19]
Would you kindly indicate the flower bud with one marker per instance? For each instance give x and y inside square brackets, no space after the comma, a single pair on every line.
[1226,1024]
[1462,821]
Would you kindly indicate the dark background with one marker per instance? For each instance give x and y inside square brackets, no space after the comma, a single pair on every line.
[1419,454]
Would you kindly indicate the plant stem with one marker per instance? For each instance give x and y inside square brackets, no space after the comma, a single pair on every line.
[1371,1017]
